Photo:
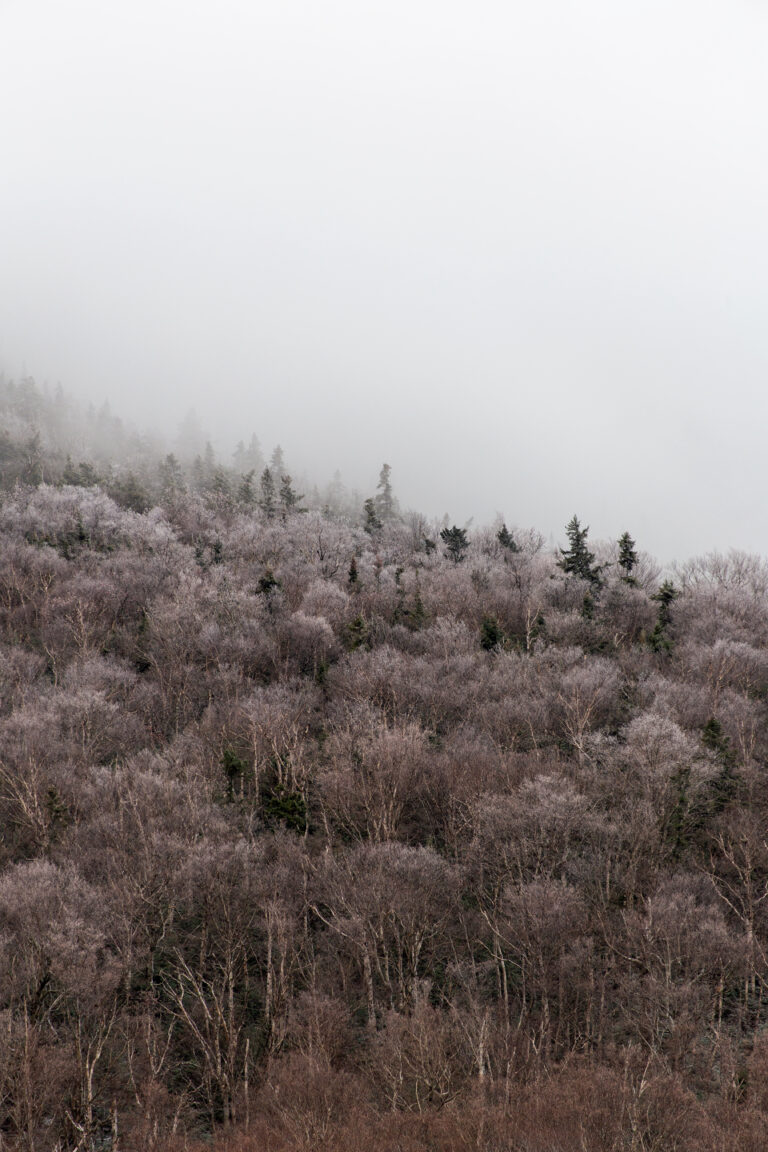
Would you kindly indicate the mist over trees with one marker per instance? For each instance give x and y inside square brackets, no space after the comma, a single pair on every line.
[326,826]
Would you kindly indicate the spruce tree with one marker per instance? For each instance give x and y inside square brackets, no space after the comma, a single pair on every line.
[267,500]
[245,491]
[171,476]
[289,499]
[384,500]
[627,557]
[456,543]
[577,560]
[506,539]
[353,577]
[371,522]
[659,639]
[277,463]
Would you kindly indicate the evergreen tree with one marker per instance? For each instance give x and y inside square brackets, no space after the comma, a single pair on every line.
[506,539]
[129,492]
[371,522]
[245,492]
[277,463]
[70,473]
[627,557]
[357,633]
[577,560]
[171,476]
[209,462]
[456,543]
[491,634]
[267,500]
[659,639]
[219,484]
[289,499]
[384,501]
[82,476]
[416,617]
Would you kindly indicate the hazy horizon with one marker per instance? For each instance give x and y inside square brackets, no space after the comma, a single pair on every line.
[517,252]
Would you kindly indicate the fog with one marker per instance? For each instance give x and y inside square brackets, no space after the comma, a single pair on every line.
[519,251]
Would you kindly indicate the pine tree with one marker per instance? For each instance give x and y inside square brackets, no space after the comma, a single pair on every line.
[384,501]
[267,500]
[506,539]
[277,463]
[70,474]
[171,476]
[578,560]
[456,543]
[245,492]
[491,634]
[371,523]
[289,499]
[627,557]
[659,639]
[219,484]
[129,492]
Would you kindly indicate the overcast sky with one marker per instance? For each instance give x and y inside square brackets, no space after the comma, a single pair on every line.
[519,250]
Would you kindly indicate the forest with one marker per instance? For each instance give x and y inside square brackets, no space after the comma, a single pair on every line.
[326,826]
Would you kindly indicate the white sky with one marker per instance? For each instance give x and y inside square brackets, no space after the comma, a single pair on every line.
[518,250]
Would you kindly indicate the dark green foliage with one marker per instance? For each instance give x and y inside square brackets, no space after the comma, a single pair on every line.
[725,785]
[491,634]
[220,484]
[280,805]
[415,617]
[371,521]
[627,558]
[506,539]
[430,546]
[246,493]
[83,475]
[679,826]
[141,659]
[268,583]
[659,640]
[690,818]
[712,738]
[577,560]
[59,815]
[129,492]
[353,578]
[456,543]
[235,769]
[208,553]
[357,633]
[289,498]
[268,497]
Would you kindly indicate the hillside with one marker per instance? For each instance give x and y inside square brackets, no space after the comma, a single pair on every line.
[324,826]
